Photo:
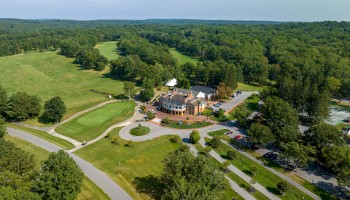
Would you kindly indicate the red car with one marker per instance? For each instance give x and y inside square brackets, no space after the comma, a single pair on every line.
[238,137]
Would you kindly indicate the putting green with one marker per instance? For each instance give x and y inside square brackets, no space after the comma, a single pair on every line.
[90,125]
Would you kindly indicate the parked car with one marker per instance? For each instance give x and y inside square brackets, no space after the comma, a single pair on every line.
[238,137]
[216,105]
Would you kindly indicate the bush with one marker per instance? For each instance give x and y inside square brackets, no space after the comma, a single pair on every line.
[231,155]
[175,139]
[282,187]
[251,189]
[143,108]
[114,140]
[150,115]
[215,142]
[165,120]
[195,137]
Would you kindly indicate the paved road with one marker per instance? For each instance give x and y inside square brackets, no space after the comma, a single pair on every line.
[235,101]
[114,191]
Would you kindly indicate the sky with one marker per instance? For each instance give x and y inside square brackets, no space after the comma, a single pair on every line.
[265,10]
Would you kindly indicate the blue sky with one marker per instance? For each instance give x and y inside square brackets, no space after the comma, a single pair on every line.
[275,10]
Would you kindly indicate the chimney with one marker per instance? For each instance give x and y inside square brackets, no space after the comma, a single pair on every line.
[189,94]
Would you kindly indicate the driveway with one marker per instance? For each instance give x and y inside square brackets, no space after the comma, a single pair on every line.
[111,189]
[235,101]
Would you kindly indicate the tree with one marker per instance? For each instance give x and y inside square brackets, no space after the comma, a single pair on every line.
[147,91]
[129,89]
[241,113]
[3,100]
[21,106]
[220,113]
[231,154]
[260,134]
[60,177]
[195,137]
[215,142]
[187,177]
[297,153]
[14,159]
[283,187]
[17,194]
[2,127]
[54,109]
[333,84]
[224,91]
[282,119]
[323,135]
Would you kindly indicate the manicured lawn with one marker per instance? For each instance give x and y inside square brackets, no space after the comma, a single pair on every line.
[139,131]
[184,125]
[44,135]
[108,49]
[263,176]
[129,165]
[249,87]
[220,134]
[89,190]
[181,58]
[90,125]
[48,74]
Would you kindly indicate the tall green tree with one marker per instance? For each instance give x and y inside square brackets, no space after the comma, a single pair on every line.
[17,194]
[323,135]
[129,89]
[298,154]
[21,106]
[54,109]
[147,91]
[187,177]
[60,178]
[260,134]
[282,119]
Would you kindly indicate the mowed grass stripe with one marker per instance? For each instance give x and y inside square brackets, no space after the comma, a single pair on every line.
[44,135]
[48,74]
[181,58]
[108,49]
[90,125]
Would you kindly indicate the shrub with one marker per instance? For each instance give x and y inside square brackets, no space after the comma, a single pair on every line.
[251,189]
[114,140]
[175,139]
[282,187]
[150,115]
[143,108]
[187,118]
[215,142]
[231,155]
[195,137]
[165,120]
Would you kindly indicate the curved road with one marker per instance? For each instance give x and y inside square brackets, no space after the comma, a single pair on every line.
[114,191]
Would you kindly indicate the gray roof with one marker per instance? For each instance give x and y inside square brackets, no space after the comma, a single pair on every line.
[173,103]
[204,89]
[184,91]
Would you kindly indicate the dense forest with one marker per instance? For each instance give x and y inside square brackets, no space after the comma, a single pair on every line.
[303,65]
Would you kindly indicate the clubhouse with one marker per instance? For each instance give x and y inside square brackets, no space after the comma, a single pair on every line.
[181,101]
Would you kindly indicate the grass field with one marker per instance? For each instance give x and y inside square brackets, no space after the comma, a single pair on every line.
[181,58]
[89,190]
[248,87]
[91,124]
[184,125]
[128,165]
[108,49]
[44,135]
[48,74]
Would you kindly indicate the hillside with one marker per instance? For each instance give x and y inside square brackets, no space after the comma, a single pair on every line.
[48,74]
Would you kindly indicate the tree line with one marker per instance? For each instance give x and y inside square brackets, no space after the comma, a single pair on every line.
[21,106]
